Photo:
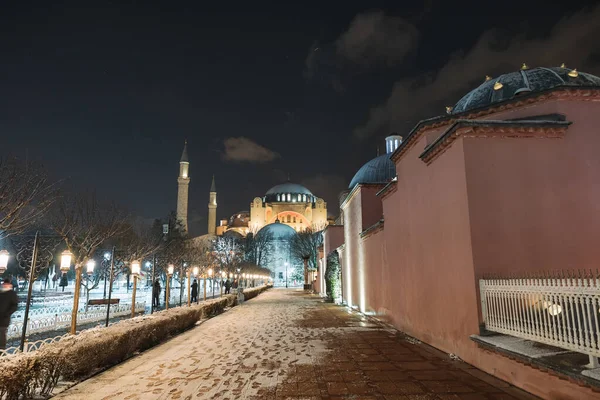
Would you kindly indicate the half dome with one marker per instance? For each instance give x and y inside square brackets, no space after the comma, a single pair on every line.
[508,86]
[276,231]
[379,170]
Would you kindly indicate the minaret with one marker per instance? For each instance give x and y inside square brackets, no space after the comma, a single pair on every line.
[182,193]
[212,208]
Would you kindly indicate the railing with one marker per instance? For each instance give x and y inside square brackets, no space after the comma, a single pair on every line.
[29,346]
[94,313]
[559,311]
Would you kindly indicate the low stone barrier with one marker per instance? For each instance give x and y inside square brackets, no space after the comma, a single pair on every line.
[29,375]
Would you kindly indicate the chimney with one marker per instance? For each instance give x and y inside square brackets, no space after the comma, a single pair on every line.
[392,142]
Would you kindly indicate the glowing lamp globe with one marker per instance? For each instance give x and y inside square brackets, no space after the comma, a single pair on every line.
[210,272]
[195,271]
[65,260]
[3,261]
[135,268]
[224,274]
[170,269]
[90,266]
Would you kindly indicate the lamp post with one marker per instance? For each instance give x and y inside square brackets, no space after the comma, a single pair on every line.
[181,274]
[210,272]
[3,261]
[135,272]
[286,274]
[152,283]
[170,270]
[205,285]
[223,277]
[106,259]
[110,282]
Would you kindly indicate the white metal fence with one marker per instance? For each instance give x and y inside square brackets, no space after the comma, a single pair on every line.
[50,323]
[558,311]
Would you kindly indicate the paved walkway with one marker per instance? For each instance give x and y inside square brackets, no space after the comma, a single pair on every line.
[285,344]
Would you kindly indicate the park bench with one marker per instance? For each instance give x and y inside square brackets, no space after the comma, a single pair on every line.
[102,302]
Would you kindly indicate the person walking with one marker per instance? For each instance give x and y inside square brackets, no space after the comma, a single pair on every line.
[227,286]
[195,291]
[9,302]
[156,294]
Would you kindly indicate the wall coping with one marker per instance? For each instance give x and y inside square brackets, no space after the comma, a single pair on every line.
[494,129]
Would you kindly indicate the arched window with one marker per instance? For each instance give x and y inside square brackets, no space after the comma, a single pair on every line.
[289,218]
[289,197]
[294,219]
[304,198]
[278,197]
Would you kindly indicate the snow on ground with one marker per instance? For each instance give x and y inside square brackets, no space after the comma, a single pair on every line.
[239,354]
[287,344]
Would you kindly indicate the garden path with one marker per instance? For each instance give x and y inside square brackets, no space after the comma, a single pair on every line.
[287,344]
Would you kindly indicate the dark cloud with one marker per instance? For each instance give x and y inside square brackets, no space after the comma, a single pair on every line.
[242,149]
[328,187]
[374,38]
[573,40]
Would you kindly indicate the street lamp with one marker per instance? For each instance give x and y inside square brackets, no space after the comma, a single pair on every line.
[223,277]
[286,274]
[3,261]
[65,261]
[90,266]
[170,270]
[135,272]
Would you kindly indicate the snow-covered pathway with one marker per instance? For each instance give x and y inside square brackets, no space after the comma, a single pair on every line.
[286,344]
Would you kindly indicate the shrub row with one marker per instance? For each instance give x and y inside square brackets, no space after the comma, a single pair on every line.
[28,375]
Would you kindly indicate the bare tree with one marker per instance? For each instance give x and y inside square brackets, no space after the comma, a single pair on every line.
[305,246]
[228,252]
[135,242]
[258,248]
[25,195]
[85,224]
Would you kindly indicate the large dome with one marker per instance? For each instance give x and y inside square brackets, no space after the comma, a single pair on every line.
[507,86]
[289,192]
[379,170]
[277,231]
[288,187]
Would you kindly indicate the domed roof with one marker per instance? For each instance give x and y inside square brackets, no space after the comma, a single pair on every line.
[239,220]
[507,86]
[288,187]
[379,170]
[277,231]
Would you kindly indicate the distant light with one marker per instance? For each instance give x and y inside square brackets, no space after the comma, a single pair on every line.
[148,264]
[107,256]
[195,271]
[170,269]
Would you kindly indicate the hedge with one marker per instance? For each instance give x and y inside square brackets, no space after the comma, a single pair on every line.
[74,358]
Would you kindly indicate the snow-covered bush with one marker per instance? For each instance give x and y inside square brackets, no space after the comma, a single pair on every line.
[250,293]
[76,357]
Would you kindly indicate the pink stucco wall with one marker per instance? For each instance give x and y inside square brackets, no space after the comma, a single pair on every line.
[484,205]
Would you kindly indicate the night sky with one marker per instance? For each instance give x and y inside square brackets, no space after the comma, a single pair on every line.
[106,94]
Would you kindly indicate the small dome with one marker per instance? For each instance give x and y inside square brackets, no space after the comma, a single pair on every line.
[379,170]
[239,220]
[507,86]
[277,231]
